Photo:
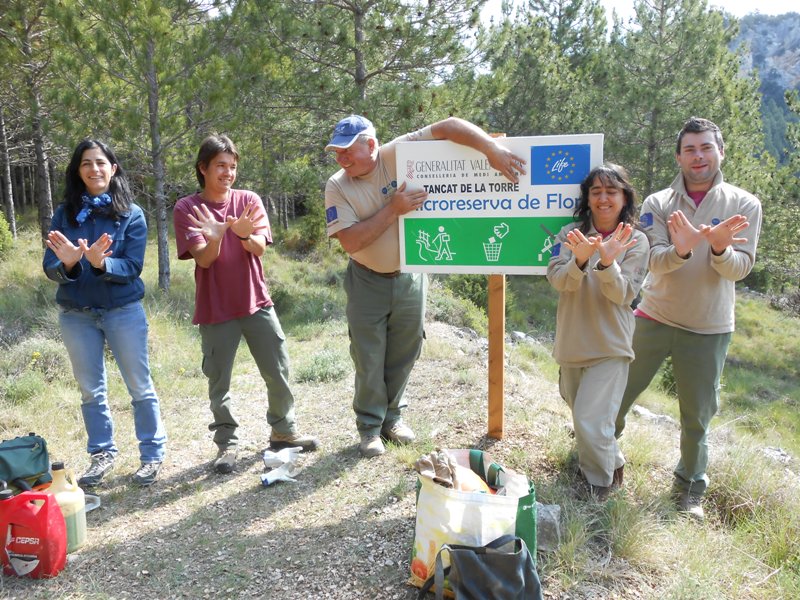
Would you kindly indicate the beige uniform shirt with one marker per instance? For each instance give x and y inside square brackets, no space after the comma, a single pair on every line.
[697,294]
[350,200]
[594,319]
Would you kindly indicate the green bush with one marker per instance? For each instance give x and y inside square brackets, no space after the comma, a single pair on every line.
[305,235]
[6,241]
[40,355]
[474,288]
[533,305]
[666,382]
[324,367]
[445,306]
[23,388]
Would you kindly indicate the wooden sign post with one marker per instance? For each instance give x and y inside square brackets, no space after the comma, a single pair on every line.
[497,336]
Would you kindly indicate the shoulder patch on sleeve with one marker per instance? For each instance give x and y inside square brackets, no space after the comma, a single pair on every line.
[556,250]
[646,220]
[331,216]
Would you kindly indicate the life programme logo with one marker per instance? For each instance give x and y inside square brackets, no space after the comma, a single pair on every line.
[559,165]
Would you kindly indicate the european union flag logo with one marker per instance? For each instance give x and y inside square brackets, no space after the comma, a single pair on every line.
[646,220]
[331,215]
[556,250]
[559,165]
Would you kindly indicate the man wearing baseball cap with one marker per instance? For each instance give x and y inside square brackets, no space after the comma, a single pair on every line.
[386,308]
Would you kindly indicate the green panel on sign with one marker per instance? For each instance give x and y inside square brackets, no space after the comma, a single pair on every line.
[481,241]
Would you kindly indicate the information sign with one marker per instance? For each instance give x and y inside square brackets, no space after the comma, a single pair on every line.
[477,221]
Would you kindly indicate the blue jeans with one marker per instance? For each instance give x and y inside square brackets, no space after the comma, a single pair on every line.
[85,333]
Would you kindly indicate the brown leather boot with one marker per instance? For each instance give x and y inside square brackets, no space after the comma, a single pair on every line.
[616,481]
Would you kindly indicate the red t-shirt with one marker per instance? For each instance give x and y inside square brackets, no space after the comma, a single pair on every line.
[233,286]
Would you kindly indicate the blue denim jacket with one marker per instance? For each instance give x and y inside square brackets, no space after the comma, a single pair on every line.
[87,287]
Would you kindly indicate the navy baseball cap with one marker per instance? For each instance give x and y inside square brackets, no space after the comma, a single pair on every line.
[347,131]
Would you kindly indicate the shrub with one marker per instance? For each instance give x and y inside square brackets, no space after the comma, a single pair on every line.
[23,388]
[445,306]
[306,235]
[666,382]
[6,240]
[40,355]
[474,288]
[323,367]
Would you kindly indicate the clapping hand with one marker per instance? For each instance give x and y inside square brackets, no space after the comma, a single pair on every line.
[97,253]
[581,246]
[721,235]
[67,252]
[244,226]
[205,223]
[615,244]
[684,235]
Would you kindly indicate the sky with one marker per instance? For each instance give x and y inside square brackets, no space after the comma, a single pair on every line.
[624,8]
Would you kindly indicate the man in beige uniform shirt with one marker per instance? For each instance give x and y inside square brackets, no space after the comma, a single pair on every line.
[385,308]
[687,311]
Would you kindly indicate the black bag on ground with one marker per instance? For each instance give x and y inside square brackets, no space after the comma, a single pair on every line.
[500,570]
[24,461]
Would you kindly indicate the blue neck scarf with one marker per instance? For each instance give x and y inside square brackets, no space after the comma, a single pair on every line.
[90,203]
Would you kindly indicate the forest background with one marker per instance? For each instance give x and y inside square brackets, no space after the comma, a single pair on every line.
[153,77]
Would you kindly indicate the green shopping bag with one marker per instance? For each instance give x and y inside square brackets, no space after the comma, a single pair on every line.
[449,516]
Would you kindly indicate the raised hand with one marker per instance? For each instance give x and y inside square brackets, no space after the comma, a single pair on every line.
[723,234]
[205,223]
[684,235]
[67,252]
[97,253]
[244,226]
[582,247]
[615,244]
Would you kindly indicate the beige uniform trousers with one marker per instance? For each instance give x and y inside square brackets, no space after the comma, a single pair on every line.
[594,394]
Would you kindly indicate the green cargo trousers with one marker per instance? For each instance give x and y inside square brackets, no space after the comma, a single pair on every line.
[697,362]
[385,318]
[267,343]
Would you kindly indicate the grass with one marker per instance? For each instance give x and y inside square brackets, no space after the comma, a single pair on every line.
[632,546]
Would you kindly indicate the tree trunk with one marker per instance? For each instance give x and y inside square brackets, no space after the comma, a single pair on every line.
[51,167]
[361,64]
[18,189]
[44,200]
[652,153]
[30,186]
[157,159]
[8,191]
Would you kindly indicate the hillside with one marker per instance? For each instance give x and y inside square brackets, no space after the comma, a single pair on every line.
[772,47]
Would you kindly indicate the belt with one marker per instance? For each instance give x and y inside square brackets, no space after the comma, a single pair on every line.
[391,275]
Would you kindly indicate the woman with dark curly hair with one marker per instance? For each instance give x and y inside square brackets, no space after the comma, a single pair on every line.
[95,252]
[597,265]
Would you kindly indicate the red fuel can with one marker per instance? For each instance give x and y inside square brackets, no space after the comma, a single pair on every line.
[33,535]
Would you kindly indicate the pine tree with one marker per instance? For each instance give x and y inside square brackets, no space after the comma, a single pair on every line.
[27,35]
[671,63]
[146,74]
